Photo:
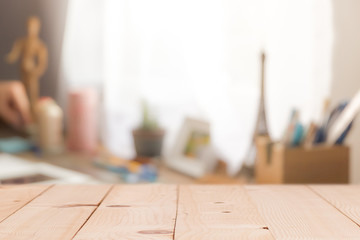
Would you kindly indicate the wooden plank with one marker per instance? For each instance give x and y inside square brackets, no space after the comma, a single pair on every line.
[296,212]
[57,214]
[346,198]
[70,195]
[134,212]
[14,197]
[218,212]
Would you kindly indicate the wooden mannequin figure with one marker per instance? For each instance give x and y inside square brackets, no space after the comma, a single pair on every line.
[34,59]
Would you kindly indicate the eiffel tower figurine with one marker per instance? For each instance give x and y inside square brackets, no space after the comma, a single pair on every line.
[261,128]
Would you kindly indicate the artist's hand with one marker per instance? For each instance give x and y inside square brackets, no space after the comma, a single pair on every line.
[14,104]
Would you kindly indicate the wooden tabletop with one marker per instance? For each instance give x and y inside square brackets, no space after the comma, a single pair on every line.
[179,212]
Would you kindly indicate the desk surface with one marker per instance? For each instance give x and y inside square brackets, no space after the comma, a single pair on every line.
[83,163]
[179,212]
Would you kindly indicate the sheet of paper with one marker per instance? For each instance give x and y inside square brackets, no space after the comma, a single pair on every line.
[16,170]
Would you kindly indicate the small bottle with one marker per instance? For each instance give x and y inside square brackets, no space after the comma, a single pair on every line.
[50,126]
[82,133]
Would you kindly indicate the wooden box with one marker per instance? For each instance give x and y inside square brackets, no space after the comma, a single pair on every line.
[321,164]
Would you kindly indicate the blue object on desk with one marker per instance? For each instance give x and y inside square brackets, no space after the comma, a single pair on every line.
[146,172]
[298,135]
[342,137]
[321,134]
[15,145]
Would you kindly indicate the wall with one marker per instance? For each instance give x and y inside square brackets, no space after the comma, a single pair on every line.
[346,67]
[13,15]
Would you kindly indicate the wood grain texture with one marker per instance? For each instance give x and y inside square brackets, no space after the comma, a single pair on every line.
[134,212]
[345,198]
[70,195]
[296,212]
[57,214]
[187,212]
[218,212]
[12,198]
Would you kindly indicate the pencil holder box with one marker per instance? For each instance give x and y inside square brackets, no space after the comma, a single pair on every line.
[276,163]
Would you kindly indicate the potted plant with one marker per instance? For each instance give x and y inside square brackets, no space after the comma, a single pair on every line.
[148,137]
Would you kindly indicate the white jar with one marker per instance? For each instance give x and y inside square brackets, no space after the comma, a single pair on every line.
[50,126]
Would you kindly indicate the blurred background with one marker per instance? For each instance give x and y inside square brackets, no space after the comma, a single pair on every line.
[168,91]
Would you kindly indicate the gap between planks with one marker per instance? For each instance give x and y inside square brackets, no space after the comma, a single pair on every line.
[26,202]
[56,214]
[218,212]
[294,211]
[344,205]
[134,212]
[87,219]
[177,209]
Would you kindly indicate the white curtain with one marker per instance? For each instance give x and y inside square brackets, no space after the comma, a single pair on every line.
[200,58]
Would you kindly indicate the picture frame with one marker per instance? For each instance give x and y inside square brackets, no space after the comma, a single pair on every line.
[193,153]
